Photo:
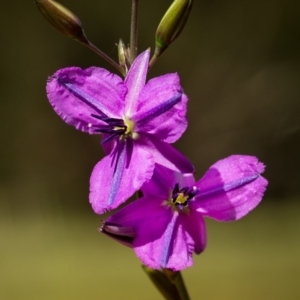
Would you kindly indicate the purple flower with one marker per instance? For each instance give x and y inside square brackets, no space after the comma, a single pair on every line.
[138,120]
[166,225]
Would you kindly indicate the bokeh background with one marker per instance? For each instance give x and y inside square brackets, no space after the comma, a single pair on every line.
[239,62]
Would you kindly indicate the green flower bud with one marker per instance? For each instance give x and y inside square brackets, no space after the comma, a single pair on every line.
[62,19]
[68,23]
[171,25]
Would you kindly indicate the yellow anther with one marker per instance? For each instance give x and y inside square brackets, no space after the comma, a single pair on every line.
[129,125]
[181,198]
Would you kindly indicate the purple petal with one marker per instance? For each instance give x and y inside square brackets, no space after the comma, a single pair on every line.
[121,234]
[162,242]
[231,188]
[162,108]
[167,156]
[183,247]
[76,94]
[164,180]
[116,177]
[108,146]
[137,212]
[162,238]
[195,226]
[135,81]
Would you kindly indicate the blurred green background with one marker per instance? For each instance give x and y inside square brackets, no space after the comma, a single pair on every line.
[239,62]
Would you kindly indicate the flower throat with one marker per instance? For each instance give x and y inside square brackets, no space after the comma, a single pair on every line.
[180,198]
[116,128]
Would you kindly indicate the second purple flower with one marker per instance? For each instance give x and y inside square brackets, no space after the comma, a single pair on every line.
[166,225]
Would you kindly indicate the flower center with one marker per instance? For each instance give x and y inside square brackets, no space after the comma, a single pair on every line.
[180,198]
[116,128]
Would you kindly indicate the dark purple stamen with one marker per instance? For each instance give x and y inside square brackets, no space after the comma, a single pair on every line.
[190,192]
[114,128]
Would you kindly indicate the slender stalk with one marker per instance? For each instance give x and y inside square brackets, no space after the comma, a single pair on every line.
[181,288]
[153,60]
[177,280]
[162,283]
[103,55]
[134,30]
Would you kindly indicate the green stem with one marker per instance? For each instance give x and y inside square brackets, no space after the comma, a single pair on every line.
[169,283]
[162,283]
[103,55]
[134,30]
[177,280]
[153,60]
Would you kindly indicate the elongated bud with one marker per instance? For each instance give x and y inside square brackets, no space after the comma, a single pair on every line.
[68,24]
[123,55]
[62,19]
[123,235]
[171,26]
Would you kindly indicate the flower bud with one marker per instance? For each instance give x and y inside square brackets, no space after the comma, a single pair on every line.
[121,234]
[62,19]
[172,24]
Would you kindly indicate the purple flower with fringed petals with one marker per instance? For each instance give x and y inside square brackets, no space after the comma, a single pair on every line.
[138,120]
[166,225]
